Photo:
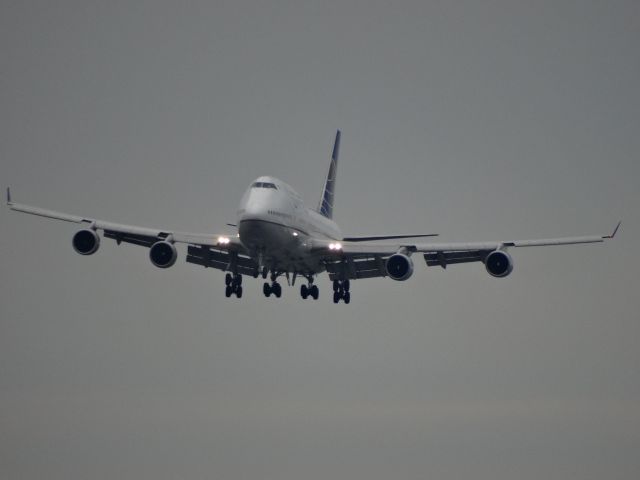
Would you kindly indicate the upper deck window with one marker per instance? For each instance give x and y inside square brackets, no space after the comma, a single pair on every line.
[264,185]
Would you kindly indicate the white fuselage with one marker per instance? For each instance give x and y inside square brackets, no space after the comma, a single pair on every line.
[278,230]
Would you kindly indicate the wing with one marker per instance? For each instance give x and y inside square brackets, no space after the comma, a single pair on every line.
[207,249]
[361,260]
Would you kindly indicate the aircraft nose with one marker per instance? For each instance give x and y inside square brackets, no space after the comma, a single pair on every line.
[255,208]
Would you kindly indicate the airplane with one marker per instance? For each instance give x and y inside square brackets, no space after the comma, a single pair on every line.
[278,236]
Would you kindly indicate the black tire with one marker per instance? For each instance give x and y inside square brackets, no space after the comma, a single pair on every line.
[239,292]
[347,297]
[315,292]
[277,289]
[346,285]
[304,291]
[266,289]
[336,285]
[228,279]
[336,297]
[228,291]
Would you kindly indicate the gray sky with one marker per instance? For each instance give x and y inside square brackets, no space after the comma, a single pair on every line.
[475,120]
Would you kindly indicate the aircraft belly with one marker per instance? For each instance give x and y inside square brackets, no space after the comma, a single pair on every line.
[277,246]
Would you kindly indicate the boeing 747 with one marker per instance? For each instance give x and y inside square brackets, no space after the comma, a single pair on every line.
[278,236]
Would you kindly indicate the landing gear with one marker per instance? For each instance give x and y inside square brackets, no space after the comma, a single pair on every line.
[274,288]
[341,291]
[309,291]
[233,285]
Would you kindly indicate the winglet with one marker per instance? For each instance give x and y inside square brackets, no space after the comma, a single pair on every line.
[9,202]
[615,230]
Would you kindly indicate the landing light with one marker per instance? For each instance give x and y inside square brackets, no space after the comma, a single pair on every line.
[335,246]
[223,240]
[295,234]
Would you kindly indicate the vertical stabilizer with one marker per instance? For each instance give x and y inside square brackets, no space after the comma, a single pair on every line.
[325,207]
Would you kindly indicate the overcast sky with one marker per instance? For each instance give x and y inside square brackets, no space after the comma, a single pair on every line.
[478,120]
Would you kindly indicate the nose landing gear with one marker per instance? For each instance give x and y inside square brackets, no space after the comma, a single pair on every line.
[274,288]
[309,291]
[233,285]
[341,291]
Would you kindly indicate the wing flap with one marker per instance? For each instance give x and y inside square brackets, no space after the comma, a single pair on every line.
[221,259]
[442,259]
[354,268]
[385,237]
[141,240]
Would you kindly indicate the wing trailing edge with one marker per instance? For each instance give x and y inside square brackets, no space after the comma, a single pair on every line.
[374,238]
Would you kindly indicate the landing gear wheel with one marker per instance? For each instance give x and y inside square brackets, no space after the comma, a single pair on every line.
[266,289]
[228,279]
[345,285]
[304,291]
[239,292]
[336,297]
[336,285]
[228,291]
[314,292]
[277,289]
[346,297]
[237,280]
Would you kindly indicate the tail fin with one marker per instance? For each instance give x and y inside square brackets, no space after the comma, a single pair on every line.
[325,207]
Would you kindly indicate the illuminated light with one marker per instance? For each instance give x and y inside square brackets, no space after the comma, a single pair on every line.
[335,246]
[223,240]
[295,234]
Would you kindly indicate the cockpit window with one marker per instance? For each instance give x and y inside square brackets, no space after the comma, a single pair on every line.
[264,185]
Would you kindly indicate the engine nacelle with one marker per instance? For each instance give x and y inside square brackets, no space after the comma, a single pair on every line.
[163,254]
[86,242]
[498,264]
[399,267]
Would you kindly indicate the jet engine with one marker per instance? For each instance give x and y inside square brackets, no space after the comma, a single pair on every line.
[498,264]
[399,267]
[163,254]
[86,242]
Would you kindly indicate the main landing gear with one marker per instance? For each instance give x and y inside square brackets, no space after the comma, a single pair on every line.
[341,291]
[309,291]
[233,285]
[274,288]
